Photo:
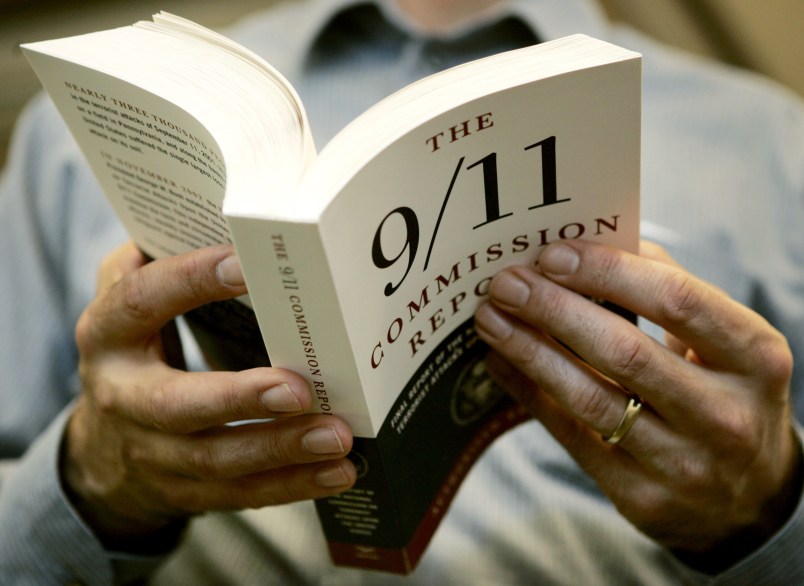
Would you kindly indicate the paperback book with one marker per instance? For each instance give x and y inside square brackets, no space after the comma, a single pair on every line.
[365,261]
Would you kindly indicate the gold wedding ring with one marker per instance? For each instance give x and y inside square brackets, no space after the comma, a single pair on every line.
[626,421]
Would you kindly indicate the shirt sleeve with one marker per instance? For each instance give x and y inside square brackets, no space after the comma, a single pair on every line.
[42,538]
[37,354]
[55,226]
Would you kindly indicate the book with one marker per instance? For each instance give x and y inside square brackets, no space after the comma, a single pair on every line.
[365,261]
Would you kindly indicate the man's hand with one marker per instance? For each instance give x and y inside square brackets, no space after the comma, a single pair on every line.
[149,445]
[711,466]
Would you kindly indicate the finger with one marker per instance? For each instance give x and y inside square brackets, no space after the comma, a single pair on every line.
[291,484]
[552,409]
[539,362]
[235,451]
[274,487]
[125,259]
[653,251]
[722,332]
[554,415]
[141,302]
[623,471]
[608,343]
[184,402]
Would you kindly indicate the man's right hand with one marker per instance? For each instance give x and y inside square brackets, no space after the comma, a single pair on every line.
[147,445]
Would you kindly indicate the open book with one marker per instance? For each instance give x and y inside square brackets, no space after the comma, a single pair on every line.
[366,261]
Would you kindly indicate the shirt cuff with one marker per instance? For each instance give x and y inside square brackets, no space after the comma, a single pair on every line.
[43,540]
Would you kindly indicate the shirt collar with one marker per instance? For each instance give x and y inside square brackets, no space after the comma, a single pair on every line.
[548,19]
[287,33]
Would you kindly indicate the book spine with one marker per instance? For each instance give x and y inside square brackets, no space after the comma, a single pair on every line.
[294,298]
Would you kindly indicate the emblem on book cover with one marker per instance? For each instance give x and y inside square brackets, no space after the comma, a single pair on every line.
[474,393]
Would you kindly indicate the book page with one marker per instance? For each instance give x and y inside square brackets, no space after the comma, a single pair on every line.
[161,169]
[172,119]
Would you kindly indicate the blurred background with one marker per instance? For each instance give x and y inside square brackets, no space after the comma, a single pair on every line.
[763,35]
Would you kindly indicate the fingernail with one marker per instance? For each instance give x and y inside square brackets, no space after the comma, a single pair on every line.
[280,399]
[331,477]
[322,440]
[230,273]
[509,289]
[559,259]
[490,322]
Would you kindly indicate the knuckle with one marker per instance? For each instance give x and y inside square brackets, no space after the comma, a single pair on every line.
[630,356]
[681,299]
[191,275]
[773,352]
[608,262]
[134,456]
[161,407]
[205,460]
[593,406]
[553,304]
[277,452]
[102,390]
[84,334]
[88,333]
[233,400]
[104,395]
[692,477]
[650,508]
[134,296]
[265,489]
[172,407]
[737,430]
[526,351]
